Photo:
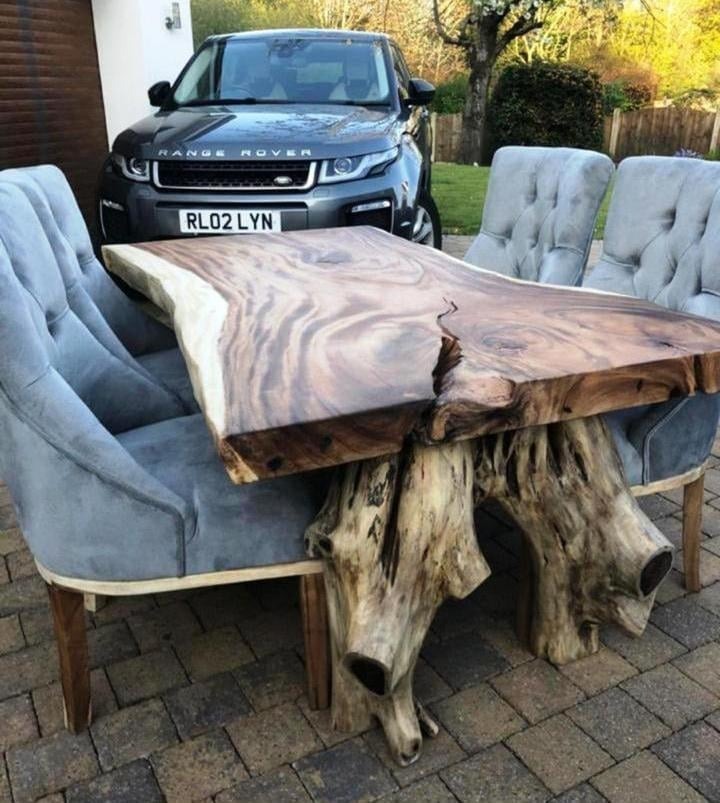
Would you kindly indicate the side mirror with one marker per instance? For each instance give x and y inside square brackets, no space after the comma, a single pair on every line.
[420,92]
[159,93]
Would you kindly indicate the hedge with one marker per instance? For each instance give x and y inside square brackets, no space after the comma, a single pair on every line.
[547,104]
[450,96]
[625,95]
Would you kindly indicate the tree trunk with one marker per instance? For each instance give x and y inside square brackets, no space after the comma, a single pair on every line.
[595,556]
[482,60]
[398,538]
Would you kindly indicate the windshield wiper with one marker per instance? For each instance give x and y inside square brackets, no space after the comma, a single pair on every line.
[219,102]
[360,102]
[281,102]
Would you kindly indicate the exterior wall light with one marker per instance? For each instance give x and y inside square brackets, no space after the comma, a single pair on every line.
[174,22]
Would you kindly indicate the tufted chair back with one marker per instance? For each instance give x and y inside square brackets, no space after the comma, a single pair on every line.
[540,212]
[48,335]
[48,191]
[86,508]
[662,237]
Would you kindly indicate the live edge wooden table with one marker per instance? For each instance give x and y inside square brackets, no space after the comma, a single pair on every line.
[431,385]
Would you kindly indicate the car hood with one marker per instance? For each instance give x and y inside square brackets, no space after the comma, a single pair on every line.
[262,131]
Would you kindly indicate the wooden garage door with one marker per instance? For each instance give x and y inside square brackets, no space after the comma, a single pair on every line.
[51,106]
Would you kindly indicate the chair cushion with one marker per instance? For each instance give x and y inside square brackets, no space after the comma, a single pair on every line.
[237,526]
[169,368]
[540,213]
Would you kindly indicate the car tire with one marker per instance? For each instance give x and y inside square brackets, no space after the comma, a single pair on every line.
[427,229]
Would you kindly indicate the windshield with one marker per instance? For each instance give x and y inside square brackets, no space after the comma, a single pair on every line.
[286,70]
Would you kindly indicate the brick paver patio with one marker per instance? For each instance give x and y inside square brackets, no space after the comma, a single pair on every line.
[200,696]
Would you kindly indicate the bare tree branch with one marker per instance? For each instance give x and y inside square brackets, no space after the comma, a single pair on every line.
[459,41]
[648,7]
[519,28]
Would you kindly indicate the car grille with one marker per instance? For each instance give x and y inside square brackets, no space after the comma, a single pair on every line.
[257,175]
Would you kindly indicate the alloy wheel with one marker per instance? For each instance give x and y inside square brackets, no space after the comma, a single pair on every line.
[423,231]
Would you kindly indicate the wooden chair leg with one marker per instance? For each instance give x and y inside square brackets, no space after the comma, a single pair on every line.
[315,629]
[692,523]
[525,597]
[68,610]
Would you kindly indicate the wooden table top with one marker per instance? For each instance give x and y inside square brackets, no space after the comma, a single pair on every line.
[314,348]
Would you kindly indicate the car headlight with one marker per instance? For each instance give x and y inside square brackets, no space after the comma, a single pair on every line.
[132,167]
[346,168]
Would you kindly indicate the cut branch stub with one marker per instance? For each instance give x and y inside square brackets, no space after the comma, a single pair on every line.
[595,556]
[398,538]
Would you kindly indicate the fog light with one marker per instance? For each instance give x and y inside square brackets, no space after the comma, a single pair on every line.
[112,205]
[369,206]
[378,213]
[114,223]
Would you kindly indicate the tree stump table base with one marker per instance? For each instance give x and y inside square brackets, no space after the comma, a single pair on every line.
[398,538]
[594,556]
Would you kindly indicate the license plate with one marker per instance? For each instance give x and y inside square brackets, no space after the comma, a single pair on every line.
[228,221]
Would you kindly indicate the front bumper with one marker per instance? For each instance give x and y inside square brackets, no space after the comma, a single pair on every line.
[133,212]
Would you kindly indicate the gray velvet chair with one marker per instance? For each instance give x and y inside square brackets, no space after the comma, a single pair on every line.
[115,490]
[540,212]
[153,345]
[662,243]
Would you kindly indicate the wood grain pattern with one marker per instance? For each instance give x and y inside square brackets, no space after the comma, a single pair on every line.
[315,348]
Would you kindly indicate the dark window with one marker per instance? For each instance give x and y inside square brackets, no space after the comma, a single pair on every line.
[286,70]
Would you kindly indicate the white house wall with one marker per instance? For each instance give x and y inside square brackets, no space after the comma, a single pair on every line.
[135,49]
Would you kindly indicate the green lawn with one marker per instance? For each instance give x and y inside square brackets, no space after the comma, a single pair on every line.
[459,191]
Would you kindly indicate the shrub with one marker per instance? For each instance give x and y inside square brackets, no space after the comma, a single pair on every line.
[638,94]
[450,95]
[627,85]
[704,99]
[547,104]
[614,97]
[626,96]
[713,155]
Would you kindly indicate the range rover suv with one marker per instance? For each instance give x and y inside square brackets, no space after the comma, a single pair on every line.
[273,131]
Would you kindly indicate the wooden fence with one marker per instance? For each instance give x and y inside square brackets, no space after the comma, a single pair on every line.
[447,131]
[660,131]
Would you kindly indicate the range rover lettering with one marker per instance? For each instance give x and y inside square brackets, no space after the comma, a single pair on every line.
[275,131]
